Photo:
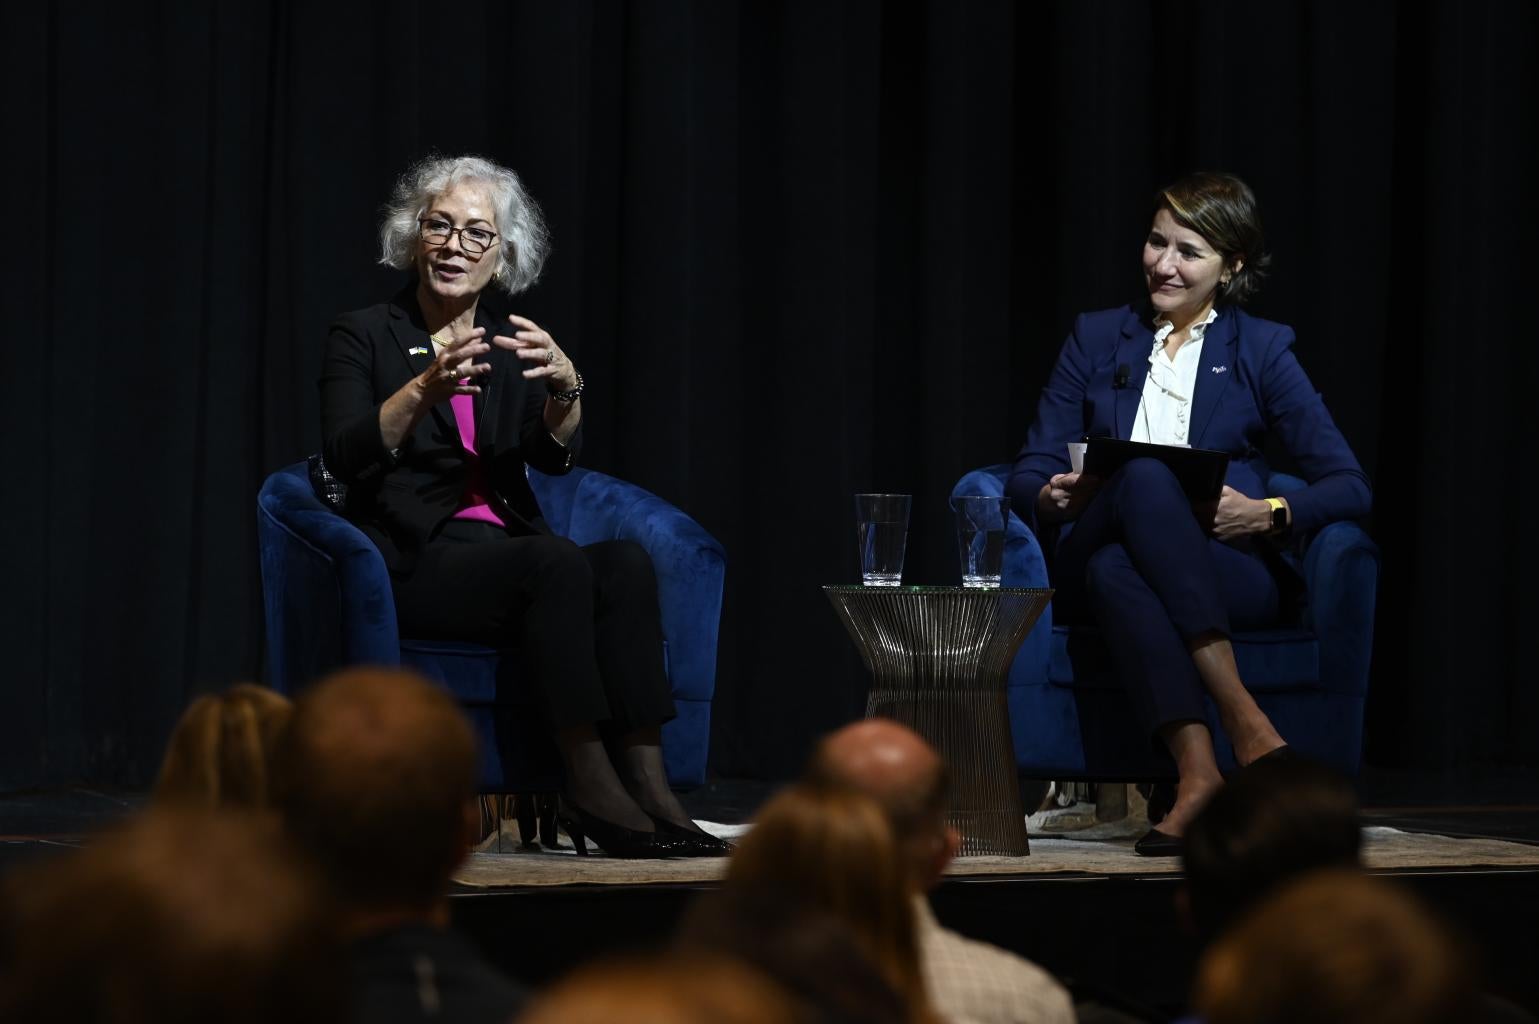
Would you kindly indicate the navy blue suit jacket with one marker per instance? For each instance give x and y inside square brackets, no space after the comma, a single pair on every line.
[1249,387]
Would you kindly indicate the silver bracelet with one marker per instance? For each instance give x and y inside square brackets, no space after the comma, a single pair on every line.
[568,397]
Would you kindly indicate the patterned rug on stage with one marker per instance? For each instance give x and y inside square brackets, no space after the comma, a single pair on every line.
[1102,850]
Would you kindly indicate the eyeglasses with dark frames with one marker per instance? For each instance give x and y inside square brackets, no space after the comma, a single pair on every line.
[473,240]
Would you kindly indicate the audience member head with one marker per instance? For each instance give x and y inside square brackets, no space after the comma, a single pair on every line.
[376,780]
[679,990]
[833,850]
[220,753]
[1274,821]
[1336,947]
[892,765]
[812,955]
[187,915]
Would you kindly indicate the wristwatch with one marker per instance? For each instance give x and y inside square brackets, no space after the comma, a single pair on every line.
[1279,514]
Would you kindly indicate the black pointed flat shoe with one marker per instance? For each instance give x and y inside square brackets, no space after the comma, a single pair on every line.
[1282,753]
[1158,844]
[691,842]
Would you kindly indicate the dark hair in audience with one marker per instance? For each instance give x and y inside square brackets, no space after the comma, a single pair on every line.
[810,954]
[834,850]
[185,916]
[673,990]
[376,774]
[1222,209]
[1337,947]
[220,753]
[1274,821]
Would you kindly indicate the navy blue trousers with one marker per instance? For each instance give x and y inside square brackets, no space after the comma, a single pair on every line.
[1140,566]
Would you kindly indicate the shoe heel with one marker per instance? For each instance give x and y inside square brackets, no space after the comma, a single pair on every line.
[611,839]
[574,830]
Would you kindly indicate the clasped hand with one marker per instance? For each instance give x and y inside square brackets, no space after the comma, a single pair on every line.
[1069,493]
[1234,515]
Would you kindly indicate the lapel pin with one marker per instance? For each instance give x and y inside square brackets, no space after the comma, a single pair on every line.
[418,350]
[1220,369]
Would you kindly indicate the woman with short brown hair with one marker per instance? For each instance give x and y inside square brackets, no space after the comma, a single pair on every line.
[1167,582]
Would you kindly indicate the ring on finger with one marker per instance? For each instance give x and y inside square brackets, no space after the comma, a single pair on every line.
[551,356]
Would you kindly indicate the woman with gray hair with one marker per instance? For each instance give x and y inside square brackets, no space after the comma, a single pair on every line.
[431,412]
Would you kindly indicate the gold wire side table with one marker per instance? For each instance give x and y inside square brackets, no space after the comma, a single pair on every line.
[939,659]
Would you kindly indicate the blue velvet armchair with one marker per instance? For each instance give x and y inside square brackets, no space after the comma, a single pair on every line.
[329,604]
[1071,720]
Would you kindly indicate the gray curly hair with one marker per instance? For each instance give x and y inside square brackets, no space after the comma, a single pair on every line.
[525,242]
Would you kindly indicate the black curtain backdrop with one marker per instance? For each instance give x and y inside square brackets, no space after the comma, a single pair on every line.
[802,249]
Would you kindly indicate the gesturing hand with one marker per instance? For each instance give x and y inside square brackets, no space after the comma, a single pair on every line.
[454,370]
[1068,493]
[544,359]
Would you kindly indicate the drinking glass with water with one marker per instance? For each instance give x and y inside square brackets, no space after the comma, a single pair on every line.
[881,530]
[981,521]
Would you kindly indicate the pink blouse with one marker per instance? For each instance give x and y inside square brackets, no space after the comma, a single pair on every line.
[473,503]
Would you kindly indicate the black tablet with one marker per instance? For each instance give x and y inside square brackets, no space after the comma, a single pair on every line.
[1200,471]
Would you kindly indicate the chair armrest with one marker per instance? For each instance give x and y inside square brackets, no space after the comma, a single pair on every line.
[318,568]
[689,562]
[1024,566]
[1341,572]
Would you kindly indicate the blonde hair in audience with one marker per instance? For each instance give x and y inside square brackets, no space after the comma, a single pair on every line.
[220,753]
[1336,947]
[834,849]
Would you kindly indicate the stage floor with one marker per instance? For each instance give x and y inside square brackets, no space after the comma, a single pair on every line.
[1092,912]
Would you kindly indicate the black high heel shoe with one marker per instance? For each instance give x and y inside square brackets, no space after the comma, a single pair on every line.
[615,840]
[691,842]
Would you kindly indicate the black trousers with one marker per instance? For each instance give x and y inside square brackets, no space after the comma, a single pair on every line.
[585,620]
[1140,566]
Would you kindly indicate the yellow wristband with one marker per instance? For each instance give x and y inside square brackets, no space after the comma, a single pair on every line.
[1275,503]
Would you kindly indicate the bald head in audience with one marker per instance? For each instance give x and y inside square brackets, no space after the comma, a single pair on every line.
[376,780]
[894,766]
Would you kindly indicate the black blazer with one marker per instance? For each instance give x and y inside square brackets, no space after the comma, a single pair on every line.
[401,498]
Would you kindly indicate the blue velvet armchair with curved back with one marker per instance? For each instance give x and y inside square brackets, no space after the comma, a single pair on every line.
[329,604]
[1071,720]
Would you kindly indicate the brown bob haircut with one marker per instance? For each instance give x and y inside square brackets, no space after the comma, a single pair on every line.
[1222,209]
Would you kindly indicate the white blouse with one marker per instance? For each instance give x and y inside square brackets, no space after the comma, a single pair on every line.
[1165,408]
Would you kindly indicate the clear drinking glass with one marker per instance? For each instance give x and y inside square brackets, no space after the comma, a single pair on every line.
[881,530]
[981,523]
